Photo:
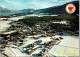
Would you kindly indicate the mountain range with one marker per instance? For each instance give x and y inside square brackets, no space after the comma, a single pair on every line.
[51,10]
[60,9]
[4,9]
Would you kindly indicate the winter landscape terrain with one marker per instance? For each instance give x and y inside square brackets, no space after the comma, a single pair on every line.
[68,46]
[32,32]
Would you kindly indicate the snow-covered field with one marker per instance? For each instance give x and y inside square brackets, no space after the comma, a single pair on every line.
[69,46]
[62,22]
[4,25]
[16,18]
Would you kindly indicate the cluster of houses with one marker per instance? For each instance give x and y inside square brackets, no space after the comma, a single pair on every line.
[16,33]
[13,33]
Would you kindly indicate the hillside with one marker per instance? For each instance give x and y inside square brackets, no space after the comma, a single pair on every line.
[60,9]
[4,9]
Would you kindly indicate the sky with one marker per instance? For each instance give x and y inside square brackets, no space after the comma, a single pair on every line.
[25,4]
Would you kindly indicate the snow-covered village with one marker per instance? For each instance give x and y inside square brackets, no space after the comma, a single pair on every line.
[39,28]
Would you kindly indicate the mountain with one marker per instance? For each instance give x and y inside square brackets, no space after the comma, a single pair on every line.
[29,10]
[4,9]
[51,10]
[60,9]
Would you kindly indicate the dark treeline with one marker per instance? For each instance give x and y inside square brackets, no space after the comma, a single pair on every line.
[4,16]
[73,26]
[33,20]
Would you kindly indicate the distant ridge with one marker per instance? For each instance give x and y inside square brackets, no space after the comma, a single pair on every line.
[60,9]
[4,9]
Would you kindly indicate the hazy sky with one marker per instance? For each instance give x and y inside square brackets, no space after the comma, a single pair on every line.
[24,4]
